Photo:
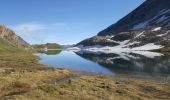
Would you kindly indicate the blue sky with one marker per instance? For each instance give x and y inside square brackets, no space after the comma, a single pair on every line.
[62,21]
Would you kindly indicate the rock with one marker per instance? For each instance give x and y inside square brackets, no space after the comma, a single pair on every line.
[10,36]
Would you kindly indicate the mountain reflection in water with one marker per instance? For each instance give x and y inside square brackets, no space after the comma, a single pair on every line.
[109,63]
[130,62]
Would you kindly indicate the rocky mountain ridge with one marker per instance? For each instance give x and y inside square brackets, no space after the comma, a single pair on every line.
[145,28]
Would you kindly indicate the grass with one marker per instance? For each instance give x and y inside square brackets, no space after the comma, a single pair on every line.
[23,78]
[17,61]
[5,46]
[20,72]
[41,48]
[99,88]
[21,82]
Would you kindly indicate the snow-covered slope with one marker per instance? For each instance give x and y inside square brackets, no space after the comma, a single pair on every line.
[145,28]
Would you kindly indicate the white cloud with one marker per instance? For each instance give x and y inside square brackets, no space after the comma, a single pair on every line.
[50,32]
[28,29]
[36,32]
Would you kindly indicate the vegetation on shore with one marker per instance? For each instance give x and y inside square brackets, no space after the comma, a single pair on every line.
[23,78]
[98,88]
[5,46]
[45,47]
[20,73]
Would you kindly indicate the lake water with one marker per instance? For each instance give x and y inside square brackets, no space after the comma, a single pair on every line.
[128,63]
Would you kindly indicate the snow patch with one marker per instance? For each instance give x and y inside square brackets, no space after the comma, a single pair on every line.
[140,34]
[122,47]
[148,54]
[149,46]
[121,55]
[160,35]
[156,29]
[132,43]
[126,55]
[74,49]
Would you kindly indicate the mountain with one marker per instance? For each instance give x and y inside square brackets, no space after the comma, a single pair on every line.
[67,46]
[47,46]
[9,40]
[145,28]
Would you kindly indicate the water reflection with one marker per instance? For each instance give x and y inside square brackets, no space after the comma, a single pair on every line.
[51,52]
[130,62]
[70,60]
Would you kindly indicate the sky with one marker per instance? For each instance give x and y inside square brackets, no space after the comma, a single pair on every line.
[62,21]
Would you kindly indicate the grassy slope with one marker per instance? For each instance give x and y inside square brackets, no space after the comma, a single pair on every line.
[5,46]
[21,73]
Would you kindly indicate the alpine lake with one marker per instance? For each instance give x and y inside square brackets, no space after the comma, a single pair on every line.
[137,64]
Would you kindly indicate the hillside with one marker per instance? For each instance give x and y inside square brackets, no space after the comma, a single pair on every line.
[9,41]
[150,13]
[47,46]
[145,28]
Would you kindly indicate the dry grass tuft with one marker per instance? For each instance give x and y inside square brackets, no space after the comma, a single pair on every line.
[99,88]
[22,78]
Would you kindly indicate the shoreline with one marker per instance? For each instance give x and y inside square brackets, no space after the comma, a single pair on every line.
[24,78]
[148,76]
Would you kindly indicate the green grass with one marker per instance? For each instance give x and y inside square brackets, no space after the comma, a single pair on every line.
[99,88]
[5,46]
[20,73]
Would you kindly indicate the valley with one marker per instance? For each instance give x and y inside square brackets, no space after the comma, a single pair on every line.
[129,60]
